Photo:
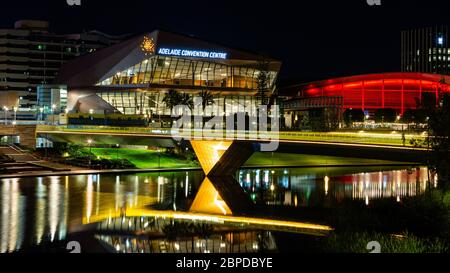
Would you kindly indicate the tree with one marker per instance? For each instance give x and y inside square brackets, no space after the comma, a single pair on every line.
[439,140]
[207,99]
[186,99]
[428,102]
[353,115]
[173,98]
[409,116]
[414,116]
[385,115]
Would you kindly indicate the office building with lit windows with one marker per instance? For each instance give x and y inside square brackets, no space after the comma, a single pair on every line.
[31,55]
[426,50]
[132,78]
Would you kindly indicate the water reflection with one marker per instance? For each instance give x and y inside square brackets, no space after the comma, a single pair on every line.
[13,206]
[42,210]
[313,187]
[36,211]
[159,235]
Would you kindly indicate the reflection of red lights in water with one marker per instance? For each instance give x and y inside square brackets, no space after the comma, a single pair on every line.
[309,190]
[391,184]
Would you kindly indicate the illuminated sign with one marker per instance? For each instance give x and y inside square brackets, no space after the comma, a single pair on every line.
[148,45]
[192,53]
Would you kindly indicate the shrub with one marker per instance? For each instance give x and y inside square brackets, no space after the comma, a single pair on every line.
[423,215]
[405,243]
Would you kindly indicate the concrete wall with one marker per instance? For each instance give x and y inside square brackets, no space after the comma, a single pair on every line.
[27,134]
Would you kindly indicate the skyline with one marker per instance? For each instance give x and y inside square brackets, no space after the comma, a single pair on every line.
[314,43]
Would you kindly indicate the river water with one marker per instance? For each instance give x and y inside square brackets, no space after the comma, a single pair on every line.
[40,211]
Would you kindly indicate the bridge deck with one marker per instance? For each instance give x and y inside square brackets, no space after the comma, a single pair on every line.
[383,139]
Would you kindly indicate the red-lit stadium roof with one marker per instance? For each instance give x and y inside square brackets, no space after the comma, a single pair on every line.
[399,91]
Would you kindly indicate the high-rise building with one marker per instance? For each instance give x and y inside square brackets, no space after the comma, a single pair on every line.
[426,50]
[30,55]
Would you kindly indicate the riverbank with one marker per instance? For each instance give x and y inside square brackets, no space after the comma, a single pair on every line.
[147,158]
[144,159]
[188,169]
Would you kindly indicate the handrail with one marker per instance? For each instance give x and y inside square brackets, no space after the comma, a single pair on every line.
[360,137]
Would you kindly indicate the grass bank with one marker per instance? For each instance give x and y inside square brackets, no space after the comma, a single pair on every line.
[284,159]
[144,159]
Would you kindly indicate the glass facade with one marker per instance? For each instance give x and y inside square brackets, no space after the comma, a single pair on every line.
[52,99]
[426,50]
[233,87]
[185,72]
[135,79]
[151,102]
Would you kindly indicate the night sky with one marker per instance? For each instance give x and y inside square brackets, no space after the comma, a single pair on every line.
[315,39]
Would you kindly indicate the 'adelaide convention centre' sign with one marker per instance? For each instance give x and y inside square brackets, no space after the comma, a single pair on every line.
[192,53]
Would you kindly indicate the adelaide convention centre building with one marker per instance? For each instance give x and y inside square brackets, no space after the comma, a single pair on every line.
[133,77]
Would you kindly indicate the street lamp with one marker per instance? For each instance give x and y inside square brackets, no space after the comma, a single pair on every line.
[89,141]
[15,115]
[6,113]
[41,110]
[158,110]
[53,114]
[159,158]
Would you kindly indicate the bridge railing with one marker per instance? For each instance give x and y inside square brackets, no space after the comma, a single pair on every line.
[349,137]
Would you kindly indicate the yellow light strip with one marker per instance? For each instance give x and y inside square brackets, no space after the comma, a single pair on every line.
[267,223]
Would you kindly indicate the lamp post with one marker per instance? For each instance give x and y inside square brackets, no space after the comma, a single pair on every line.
[117,151]
[159,158]
[5,109]
[351,119]
[53,114]
[41,110]
[15,115]
[90,150]
[158,110]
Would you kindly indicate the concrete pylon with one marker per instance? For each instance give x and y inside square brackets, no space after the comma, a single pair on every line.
[222,158]
[220,193]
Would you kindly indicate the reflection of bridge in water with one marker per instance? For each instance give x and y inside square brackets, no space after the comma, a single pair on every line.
[249,222]
[162,235]
[220,197]
[58,206]
[220,201]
